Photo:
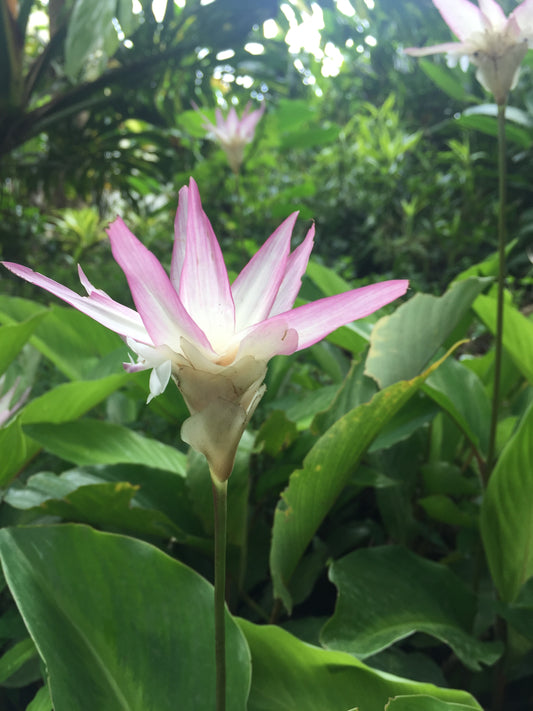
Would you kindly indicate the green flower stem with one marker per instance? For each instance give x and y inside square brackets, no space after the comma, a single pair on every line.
[501,279]
[220,501]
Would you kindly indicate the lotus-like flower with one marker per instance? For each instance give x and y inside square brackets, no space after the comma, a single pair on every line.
[7,407]
[214,339]
[494,43]
[233,133]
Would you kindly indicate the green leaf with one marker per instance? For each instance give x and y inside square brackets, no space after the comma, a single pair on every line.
[65,402]
[78,346]
[14,450]
[90,29]
[402,344]
[507,513]
[356,390]
[13,337]
[71,400]
[445,79]
[489,125]
[426,703]
[289,674]
[327,468]
[94,442]
[400,594]
[517,332]
[119,624]
[15,658]
[41,701]
[461,394]
[109,507]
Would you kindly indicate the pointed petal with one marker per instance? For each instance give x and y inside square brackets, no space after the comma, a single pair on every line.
[180,239]
[461,16]
[158,304]
[316,320]
[292,281]
[267,339]
[448,47]
[120,319]
[250,121]
[159,378]
[493,14]
[523,15]
[256,287]
[204,286]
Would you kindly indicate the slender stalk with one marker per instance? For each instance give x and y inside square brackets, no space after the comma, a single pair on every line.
[239,211]
[220,500]
[501,279]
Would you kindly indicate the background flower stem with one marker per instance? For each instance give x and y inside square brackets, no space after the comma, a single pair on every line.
[220,499]
[501,278]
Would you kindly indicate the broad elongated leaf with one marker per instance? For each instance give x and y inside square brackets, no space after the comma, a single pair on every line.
[13,446]
[66,402]
[16,657]
[445,79]
[426,703]
[91,29]
[289,674]
[14,336]
[89,442]
[70,400]
[507,513]
[119,624]
[78,346]
[517,332]
[402,344]
[460,392]
[41,701]
[327,468]
[401,593]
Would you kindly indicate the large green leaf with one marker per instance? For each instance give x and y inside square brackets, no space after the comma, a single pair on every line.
[13,337]
[402,344]
[517,332]
[289,674]
[507,513]
[460,392]
[94,442]
[41,701]
[61,404]
[13,446]
[70,400]
[327,468]
[387,593]
[446,79]
[426,703]
[120,625]
[91,30]
[15,657]
[78,346]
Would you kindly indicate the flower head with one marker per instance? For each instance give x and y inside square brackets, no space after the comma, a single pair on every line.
[212,337]
[233,133]
[494,43]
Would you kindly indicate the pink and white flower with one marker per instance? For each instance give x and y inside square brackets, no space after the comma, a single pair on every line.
[213,338]
[233,133]
[494,43]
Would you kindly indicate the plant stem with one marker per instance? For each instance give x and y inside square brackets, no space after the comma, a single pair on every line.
[220,500]
[501,279]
